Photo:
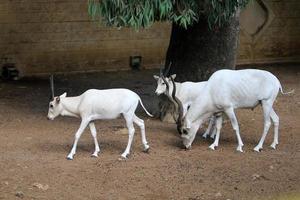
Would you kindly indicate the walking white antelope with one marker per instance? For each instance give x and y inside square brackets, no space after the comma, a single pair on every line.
[99,104]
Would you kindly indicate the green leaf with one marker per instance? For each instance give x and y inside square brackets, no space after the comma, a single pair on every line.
[143,13]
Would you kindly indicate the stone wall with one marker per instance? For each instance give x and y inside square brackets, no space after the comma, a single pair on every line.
[43,36]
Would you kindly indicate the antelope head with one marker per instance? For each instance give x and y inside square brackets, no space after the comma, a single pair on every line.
[55,107]
[163,82]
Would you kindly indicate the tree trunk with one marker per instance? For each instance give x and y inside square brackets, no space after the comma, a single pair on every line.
[197,52]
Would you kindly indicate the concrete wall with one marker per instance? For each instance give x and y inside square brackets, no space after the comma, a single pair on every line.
[270,32]
[43,36]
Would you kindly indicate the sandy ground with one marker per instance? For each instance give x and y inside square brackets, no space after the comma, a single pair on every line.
[33,150]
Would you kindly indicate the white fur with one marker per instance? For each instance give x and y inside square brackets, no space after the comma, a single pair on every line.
[100,104]
[227,90]
[186,92]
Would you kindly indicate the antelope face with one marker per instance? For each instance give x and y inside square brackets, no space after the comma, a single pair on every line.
[161,85]
[185,130]
[55,107]
[187,137]
[186,141]
[189,130]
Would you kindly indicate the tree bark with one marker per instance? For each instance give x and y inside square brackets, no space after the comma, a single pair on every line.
[197,52]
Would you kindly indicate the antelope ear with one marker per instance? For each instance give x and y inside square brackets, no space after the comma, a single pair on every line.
[173,76]
[57,99]
[155,77]
[63,95]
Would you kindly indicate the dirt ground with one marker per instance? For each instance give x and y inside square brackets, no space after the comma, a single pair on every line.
[33,150]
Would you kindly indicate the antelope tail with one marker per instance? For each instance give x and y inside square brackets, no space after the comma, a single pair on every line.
[284,93]
[145,108]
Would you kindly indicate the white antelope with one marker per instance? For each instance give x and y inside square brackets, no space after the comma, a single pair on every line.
[186,92]
[225,91]
[99,104]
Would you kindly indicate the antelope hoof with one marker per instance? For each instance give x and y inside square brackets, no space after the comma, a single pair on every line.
[94,155]
[257,148]
[124,156]
[146,150]
[69,158]
[239,148]
[273,146]
[212,147]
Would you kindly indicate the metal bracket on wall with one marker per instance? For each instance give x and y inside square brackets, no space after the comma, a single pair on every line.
[135,62]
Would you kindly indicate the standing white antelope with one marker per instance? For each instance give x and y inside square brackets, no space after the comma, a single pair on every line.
[225,91]
[99,104]
[186,92]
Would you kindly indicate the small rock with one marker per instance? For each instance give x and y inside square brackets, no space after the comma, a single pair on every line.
[255,177]
[122,159]
[122,131]
[20,194]
[41,186]
[6,182]
[218,194]
[271,167]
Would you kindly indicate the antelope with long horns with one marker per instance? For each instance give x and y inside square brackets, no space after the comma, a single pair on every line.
[225,91]
[186,92]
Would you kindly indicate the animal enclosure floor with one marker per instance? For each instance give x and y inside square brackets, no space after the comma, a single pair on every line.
[33,150]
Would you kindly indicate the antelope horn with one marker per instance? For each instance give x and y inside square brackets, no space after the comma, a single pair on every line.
[161,71]
[177,103]
[168,89]
[178,106]
[167,69]
[167,86]
[52,86]
[165,72]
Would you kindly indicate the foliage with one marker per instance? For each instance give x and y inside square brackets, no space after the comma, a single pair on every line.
[143,13]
